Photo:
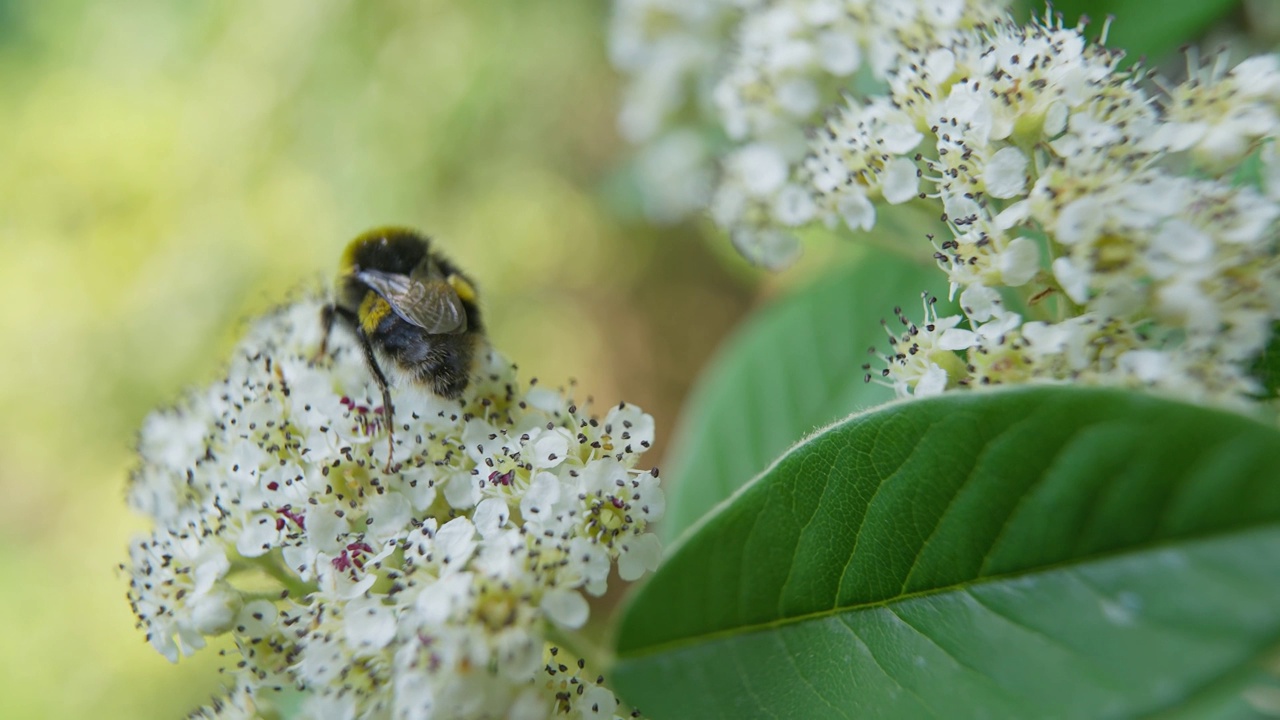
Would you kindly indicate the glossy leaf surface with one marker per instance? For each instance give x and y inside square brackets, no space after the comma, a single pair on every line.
[1037,552]
[795,367]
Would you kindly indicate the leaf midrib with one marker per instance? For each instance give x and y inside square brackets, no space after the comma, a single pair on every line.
[689,640]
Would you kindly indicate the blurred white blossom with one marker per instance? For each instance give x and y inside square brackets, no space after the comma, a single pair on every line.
[1100,227]
[424,591]
[751,76]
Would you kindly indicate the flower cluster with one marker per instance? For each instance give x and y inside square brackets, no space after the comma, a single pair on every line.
[424,590]
[764,71]
[1098,232]
[1102,225]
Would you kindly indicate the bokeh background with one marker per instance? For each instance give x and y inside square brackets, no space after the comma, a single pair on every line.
[170,169]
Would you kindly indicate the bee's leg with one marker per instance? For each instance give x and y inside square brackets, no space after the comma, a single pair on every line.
[328,314]
[388,412]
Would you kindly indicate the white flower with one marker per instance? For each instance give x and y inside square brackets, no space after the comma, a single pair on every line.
[1080,221]
[597,703]
[638,556]
[179,590]
[394,584]
[901,180]
[370,624]
[957,339]
[768,248]
[863,149]
[566,607]
[923,358]
[838,53]
[456,542]
[794,206]
[389,513]
[676,173]
[1073,279]
[490,517]
[1006,173]
[1148,366]
[932,382]
[759,169]
[447,600]
[1019,261]
[857,211]
[1048,342]
[587,565]
[761,75]
[1217,115]
[1183,242]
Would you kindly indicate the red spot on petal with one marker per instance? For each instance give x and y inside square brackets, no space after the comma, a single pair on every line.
[298,518]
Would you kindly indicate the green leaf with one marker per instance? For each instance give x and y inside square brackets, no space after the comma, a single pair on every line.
[1034,552]
[1267,367]
[1144,28]
[796,366]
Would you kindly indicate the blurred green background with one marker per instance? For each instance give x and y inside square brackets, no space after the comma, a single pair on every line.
[168,170]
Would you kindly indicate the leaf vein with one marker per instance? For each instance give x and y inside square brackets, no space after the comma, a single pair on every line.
[973,472]
[960,663]
[857,537]
[879,666]
[791,657]
[1027,494]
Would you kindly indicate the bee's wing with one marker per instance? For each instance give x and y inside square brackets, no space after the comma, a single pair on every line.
[431,303]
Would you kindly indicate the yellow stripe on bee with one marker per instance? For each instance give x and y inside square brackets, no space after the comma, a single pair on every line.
[462,287]
[372,310]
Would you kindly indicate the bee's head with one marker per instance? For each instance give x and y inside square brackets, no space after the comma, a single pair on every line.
[389,249]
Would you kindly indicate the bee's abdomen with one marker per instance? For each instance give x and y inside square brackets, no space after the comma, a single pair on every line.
[441,363]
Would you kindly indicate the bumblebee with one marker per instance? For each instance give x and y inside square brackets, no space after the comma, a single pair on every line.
[412,310]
